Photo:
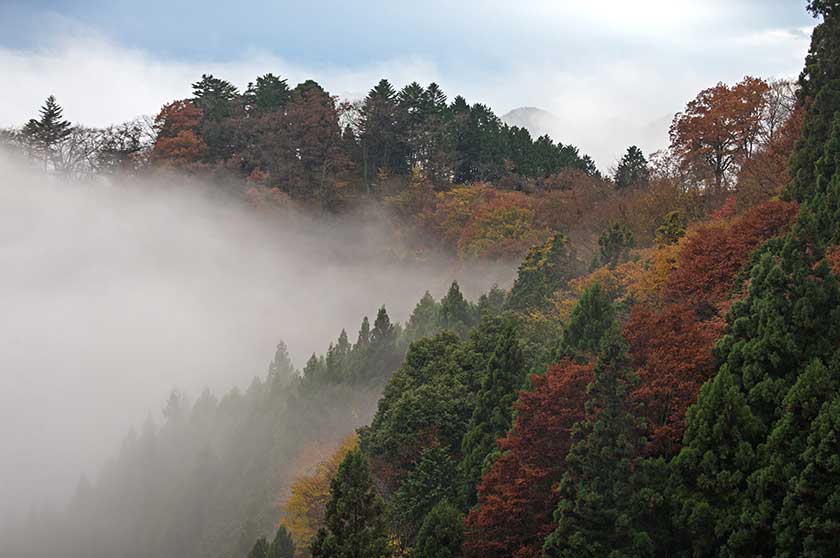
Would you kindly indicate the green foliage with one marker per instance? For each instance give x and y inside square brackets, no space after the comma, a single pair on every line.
[282,546]
[591,318]
[456,313]
[615,244]
[672,228]
[427,400]
[493,412]
[595,515]
[424,320]
[545,269]
[433,479]
[441,534]
[354,524]
[632,170]
[260,549]
[45,134]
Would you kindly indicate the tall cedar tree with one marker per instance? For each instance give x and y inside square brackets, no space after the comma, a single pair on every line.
[493,412]
[354,523]
[790,317]
[819,93]
[595,515]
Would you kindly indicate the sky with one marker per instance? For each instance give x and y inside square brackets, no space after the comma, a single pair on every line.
[612,72]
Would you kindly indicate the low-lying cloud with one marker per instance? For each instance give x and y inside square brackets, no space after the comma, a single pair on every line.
[116,291]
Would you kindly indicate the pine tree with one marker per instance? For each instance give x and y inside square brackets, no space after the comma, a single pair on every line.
[441,534]
[282,546]
[354,525]
[595,516]
[46,134]
[493,413]
[632,170]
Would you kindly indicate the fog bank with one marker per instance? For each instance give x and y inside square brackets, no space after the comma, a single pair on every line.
[115,291]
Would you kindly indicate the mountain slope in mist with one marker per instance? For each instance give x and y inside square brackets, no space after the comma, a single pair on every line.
[117,290]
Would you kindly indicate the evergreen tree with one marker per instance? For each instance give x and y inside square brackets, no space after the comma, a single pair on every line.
[545,269]
[379,132]
[632,170]
[591,318]
[672,228]
[269,93]
[424,320]
[493,413]
[281,368]
[433,479]
[260,549]
[819,93]
[282,546]
[790,317]
[217,100]
[354,525]
[441,534]
[615,244]
[455,311]
[46,134]
[594,515]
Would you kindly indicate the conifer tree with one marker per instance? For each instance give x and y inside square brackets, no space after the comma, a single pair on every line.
[441,534]
[424,319]
[45,134]
[615,244]
[591,319]
[493,413]
[544,269]
[282,546]
[433,479]
[455,311]
[819,93]
[260,549]
[632,169]
[595,516]
[354,525]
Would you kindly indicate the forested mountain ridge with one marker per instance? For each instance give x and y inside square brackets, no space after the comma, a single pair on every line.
[661,379]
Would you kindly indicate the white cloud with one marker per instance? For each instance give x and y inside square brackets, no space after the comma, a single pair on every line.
[608,98]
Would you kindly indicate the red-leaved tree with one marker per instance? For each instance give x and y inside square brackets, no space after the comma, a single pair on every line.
[516,499]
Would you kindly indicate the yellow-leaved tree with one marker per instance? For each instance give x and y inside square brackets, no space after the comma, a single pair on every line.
[303,511]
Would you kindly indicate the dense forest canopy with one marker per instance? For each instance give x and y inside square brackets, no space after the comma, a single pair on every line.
[659,378]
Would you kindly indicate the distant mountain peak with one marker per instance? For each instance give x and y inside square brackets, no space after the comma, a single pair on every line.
[536,120]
